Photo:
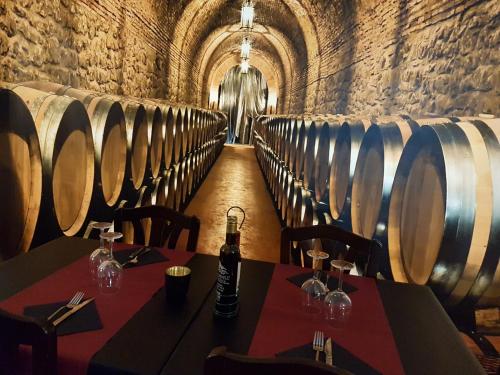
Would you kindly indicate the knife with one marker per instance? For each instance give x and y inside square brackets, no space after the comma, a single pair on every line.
[328,351]
[71,312]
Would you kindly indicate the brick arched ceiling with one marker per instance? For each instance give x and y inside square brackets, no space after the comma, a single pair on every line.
[271,53]
[286,41]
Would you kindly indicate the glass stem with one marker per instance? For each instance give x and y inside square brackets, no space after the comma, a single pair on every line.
[317,274]
[111,249]
[101,241]
[340,278]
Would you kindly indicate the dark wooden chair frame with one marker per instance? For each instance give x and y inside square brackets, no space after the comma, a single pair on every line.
[363,251]
[41,336]
[220,362]
[166,224]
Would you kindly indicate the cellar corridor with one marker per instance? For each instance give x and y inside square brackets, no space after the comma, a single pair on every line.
[235,180]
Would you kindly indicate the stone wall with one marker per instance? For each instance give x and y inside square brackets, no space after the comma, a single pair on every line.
[114,46]
[416,57]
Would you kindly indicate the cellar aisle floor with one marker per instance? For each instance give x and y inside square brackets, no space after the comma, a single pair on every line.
[236,180]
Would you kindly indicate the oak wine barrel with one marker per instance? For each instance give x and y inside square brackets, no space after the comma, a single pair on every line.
[311,153]
[444,210]
[349,138]
[323,161]
[378,159]
[21,171]
[156,132]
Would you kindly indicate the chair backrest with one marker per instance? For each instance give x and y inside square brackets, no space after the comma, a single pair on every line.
[166,225]
[41,336]
[220,362]
[364,252]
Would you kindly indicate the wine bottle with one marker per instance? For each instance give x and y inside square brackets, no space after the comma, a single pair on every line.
[227,296]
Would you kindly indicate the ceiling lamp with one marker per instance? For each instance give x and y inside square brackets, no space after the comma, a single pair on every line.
[247,13]
[245,64]
[245,48]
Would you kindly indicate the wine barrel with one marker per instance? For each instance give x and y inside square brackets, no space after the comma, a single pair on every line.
[179,175]
[177,134]
[21,171]
[285,198]
[156,132]
[378,159]
[293,190]
[185,179]
[190,180]
[444,210]
[322,165]
[168,147]
[185,130]
[304,125]
[293,144]
[110,150]
[347,144]
[67,153]
[195,128]
[160,191]
[287,139]
[110,147]
[136,125]
[311,153]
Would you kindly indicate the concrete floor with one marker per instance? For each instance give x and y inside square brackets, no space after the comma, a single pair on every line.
[235,180]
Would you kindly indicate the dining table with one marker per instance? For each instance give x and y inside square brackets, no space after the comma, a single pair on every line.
[394,328]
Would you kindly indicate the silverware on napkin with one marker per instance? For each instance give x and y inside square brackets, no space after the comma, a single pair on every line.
[71,312]
[329,352]
[135,259]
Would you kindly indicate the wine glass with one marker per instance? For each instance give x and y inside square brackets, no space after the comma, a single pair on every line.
[110,272]
[100,254]
[313,288]
[338,303]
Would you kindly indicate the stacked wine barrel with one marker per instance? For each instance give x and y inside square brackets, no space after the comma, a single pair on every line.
[69,157]
[427,189]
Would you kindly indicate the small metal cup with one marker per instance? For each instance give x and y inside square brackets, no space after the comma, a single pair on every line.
[177,283]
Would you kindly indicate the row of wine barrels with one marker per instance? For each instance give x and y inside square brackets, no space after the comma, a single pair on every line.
[67,154]
[426,189]
[72,156]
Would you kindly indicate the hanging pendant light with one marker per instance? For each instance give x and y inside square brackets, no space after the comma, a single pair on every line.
[244,66]
[247,14]
[246,46]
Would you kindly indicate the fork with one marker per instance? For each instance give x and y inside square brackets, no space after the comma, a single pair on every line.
[318,343]
[72,303]
[135,259]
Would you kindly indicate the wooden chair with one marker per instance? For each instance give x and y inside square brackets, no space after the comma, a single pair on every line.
[220,362]
[166,225]
[364,252]
[41,336]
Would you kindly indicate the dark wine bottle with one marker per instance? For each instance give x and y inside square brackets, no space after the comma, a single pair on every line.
[227,296]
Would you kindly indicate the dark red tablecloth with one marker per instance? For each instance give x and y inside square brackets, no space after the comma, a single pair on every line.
[139,285]
[284,325]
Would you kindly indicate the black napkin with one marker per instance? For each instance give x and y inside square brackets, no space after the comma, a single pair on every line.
[341,358]
[153,256]
[85,319]
[333,282]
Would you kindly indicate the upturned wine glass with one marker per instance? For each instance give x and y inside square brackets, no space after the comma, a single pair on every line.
[338,304]
[110,272]
[100,254]
[313,288]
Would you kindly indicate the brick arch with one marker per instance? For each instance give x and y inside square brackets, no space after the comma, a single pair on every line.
[201,17]
[279,51]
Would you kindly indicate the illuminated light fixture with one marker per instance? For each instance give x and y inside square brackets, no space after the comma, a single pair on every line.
[246,46]
[247,14]
[245,64]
